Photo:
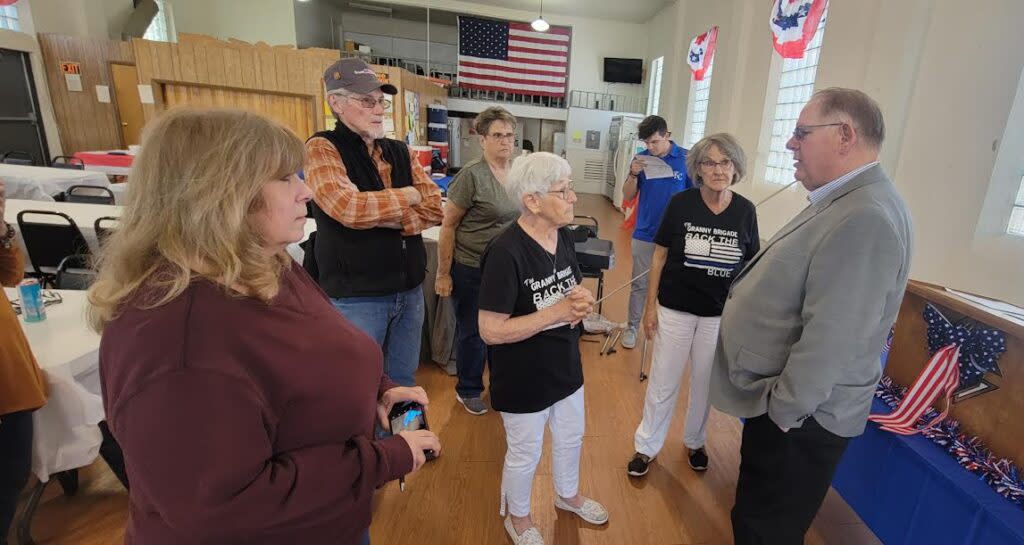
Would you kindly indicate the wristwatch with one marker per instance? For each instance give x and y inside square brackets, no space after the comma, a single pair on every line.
[7,240]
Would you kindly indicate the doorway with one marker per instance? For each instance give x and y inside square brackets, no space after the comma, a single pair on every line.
[21,127]
[129,105]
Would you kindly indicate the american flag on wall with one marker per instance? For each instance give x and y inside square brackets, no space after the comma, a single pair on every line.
[512,57]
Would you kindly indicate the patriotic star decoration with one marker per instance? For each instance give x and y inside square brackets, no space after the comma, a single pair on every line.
[980,347]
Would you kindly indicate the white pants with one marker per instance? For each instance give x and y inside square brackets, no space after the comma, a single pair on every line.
[524,435]
[680,336]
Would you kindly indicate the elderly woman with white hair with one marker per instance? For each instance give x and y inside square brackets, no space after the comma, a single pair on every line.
[531,305]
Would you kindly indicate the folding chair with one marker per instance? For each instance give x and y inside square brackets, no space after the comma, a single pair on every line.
[17,158]
[89,194]
[49,242]
[103,232]
[74,273]
[68,162]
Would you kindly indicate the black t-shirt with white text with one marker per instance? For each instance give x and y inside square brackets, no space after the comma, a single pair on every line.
[705,251]
[520,277]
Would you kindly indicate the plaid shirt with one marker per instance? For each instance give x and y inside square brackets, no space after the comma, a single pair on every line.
[336,195]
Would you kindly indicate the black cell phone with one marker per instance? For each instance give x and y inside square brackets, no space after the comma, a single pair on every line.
[409,416]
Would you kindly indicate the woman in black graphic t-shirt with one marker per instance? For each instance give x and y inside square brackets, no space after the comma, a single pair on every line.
[531,305]
[706,236]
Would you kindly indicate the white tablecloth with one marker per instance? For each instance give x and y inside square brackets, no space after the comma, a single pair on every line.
[66,436]
[41,183]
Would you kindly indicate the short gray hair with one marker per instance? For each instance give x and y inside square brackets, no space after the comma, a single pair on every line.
[535,173]
[484,120]
[862,110]
[727,144]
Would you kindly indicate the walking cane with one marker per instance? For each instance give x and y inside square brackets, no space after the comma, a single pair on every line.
[643,360]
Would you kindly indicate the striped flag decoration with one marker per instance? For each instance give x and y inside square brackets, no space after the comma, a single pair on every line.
[512,57]
[703,253]
[941,376]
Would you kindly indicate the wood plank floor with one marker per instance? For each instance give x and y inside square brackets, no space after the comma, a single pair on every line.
[455,499]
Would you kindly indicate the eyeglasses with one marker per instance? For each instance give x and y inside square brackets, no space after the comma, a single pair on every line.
[563,193]
[499,136]
[370,102]
[801,131]
[710,165]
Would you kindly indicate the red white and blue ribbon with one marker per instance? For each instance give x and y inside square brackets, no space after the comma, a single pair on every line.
[940,376]
[702,51]
[793,24]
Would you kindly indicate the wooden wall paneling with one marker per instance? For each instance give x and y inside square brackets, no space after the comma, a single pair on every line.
[83,122]
[187,61]
[233,66]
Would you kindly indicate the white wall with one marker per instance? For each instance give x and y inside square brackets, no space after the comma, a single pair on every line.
[946,101]
[316,25]
[592,40]
[270,21]
[91,18]
[401,28]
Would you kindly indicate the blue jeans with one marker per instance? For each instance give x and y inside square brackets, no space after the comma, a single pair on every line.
[366,538]
[396,323]
[471,352]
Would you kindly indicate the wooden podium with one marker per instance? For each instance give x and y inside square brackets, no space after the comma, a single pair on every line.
[995,415]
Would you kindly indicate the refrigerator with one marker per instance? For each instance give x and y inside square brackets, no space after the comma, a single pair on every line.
[623,144]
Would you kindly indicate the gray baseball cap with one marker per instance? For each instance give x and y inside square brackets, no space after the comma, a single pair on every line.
[352,74]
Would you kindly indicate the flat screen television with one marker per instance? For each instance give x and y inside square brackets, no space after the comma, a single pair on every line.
[623,70]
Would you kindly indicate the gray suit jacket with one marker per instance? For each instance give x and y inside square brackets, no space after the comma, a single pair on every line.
[805,321]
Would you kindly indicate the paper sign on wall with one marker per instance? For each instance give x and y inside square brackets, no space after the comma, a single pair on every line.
[146,94]
[73,81]
[103,94]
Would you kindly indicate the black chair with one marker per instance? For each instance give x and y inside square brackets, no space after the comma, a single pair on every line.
[593,254]
[66,161]
[17,158]
[74,273]
[48,243]
[103,232]
[89,194]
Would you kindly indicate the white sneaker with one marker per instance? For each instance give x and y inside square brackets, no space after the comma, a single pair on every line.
[530,537]
[629,338]
[590,511]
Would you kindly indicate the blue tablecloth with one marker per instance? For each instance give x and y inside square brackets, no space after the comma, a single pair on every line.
[443,182]
[908,490]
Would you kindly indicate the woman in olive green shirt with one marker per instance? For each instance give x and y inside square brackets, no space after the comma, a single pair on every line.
[478,209]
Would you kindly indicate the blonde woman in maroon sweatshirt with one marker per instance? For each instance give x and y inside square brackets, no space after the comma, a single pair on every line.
[245,404]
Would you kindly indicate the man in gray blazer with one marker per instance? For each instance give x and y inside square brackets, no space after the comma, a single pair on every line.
[805,321]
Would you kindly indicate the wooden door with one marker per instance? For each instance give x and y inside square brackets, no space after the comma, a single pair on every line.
[129,106]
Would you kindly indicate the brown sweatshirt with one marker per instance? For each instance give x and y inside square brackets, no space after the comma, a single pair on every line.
[243,422]
[22,386]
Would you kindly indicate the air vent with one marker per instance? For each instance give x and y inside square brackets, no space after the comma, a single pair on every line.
[595,172]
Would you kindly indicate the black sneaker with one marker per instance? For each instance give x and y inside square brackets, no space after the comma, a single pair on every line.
[698,459]
[639,465]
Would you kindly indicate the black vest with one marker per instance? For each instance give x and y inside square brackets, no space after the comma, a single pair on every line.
[367,262]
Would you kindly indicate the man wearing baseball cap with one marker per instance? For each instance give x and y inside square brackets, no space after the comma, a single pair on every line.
[371,202]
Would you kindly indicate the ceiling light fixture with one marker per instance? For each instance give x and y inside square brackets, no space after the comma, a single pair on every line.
[539,24]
